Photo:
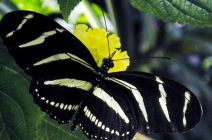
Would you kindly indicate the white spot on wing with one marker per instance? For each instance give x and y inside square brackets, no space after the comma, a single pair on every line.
[103,126]
[52,103]
[107,129]
[85,108]
[89,113]
[63,56]
[93,118]
[60,30]
[96,121]
[187,100]
[26,18]
[61,106]
[57,57]
[65,107]
[99,124]
[162,99]
[136,94]
[69,107]
[117,133]
[38,40]
[101,94]
[57,105]
[71,83]
[86,113]
[76,107]
[29,16]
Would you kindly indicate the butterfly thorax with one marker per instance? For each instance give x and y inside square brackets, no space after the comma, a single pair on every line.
[107,63]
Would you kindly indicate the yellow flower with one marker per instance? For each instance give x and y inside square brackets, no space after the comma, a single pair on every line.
[95,39]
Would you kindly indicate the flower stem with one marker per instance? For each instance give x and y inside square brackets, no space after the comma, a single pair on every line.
[112,14]
[91,15]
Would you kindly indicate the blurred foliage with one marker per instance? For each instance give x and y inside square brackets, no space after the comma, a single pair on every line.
[82,18]
[189,47]
[40,6]
[66,6]
[194,12]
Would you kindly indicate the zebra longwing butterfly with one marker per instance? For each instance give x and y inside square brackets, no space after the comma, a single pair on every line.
[69,86]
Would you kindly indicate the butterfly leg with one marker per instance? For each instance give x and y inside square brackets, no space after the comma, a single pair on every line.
[75,118]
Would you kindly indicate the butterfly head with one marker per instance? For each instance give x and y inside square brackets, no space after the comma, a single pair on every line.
[107,64]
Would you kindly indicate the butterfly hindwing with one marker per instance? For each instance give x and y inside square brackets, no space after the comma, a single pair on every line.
[160,105]
[104,118]
[60,98]
[135,101]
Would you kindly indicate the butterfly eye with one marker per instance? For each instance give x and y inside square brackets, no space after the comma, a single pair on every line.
[111,64]
[108,63]
[104,60]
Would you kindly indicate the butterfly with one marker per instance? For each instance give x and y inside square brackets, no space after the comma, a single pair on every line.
[69,86]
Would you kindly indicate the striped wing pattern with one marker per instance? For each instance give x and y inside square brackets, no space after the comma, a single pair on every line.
[59,101]
[148,104]
[63,83]
[44,50]
[160,105]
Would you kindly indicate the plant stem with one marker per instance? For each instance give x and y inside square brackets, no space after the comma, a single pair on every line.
[112,14]
[91,15]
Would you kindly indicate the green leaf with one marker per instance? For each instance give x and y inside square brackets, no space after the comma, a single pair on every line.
[51,130]
[66,6]
[20,117]
[195,12]
[40,6]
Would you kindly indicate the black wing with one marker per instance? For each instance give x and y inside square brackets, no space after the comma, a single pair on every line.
[60,98]
[31,37]
[60,65]
[159,104]
[133,101]
[103,116]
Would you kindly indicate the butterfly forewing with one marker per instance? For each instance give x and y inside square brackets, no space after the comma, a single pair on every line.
[34,39]
[159,104]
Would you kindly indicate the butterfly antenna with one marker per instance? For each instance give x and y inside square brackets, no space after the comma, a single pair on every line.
[135,58]
[108,44]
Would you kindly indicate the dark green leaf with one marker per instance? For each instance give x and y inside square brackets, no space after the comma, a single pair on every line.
[194,12]
[20,117]
[50,130]
[66,6]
